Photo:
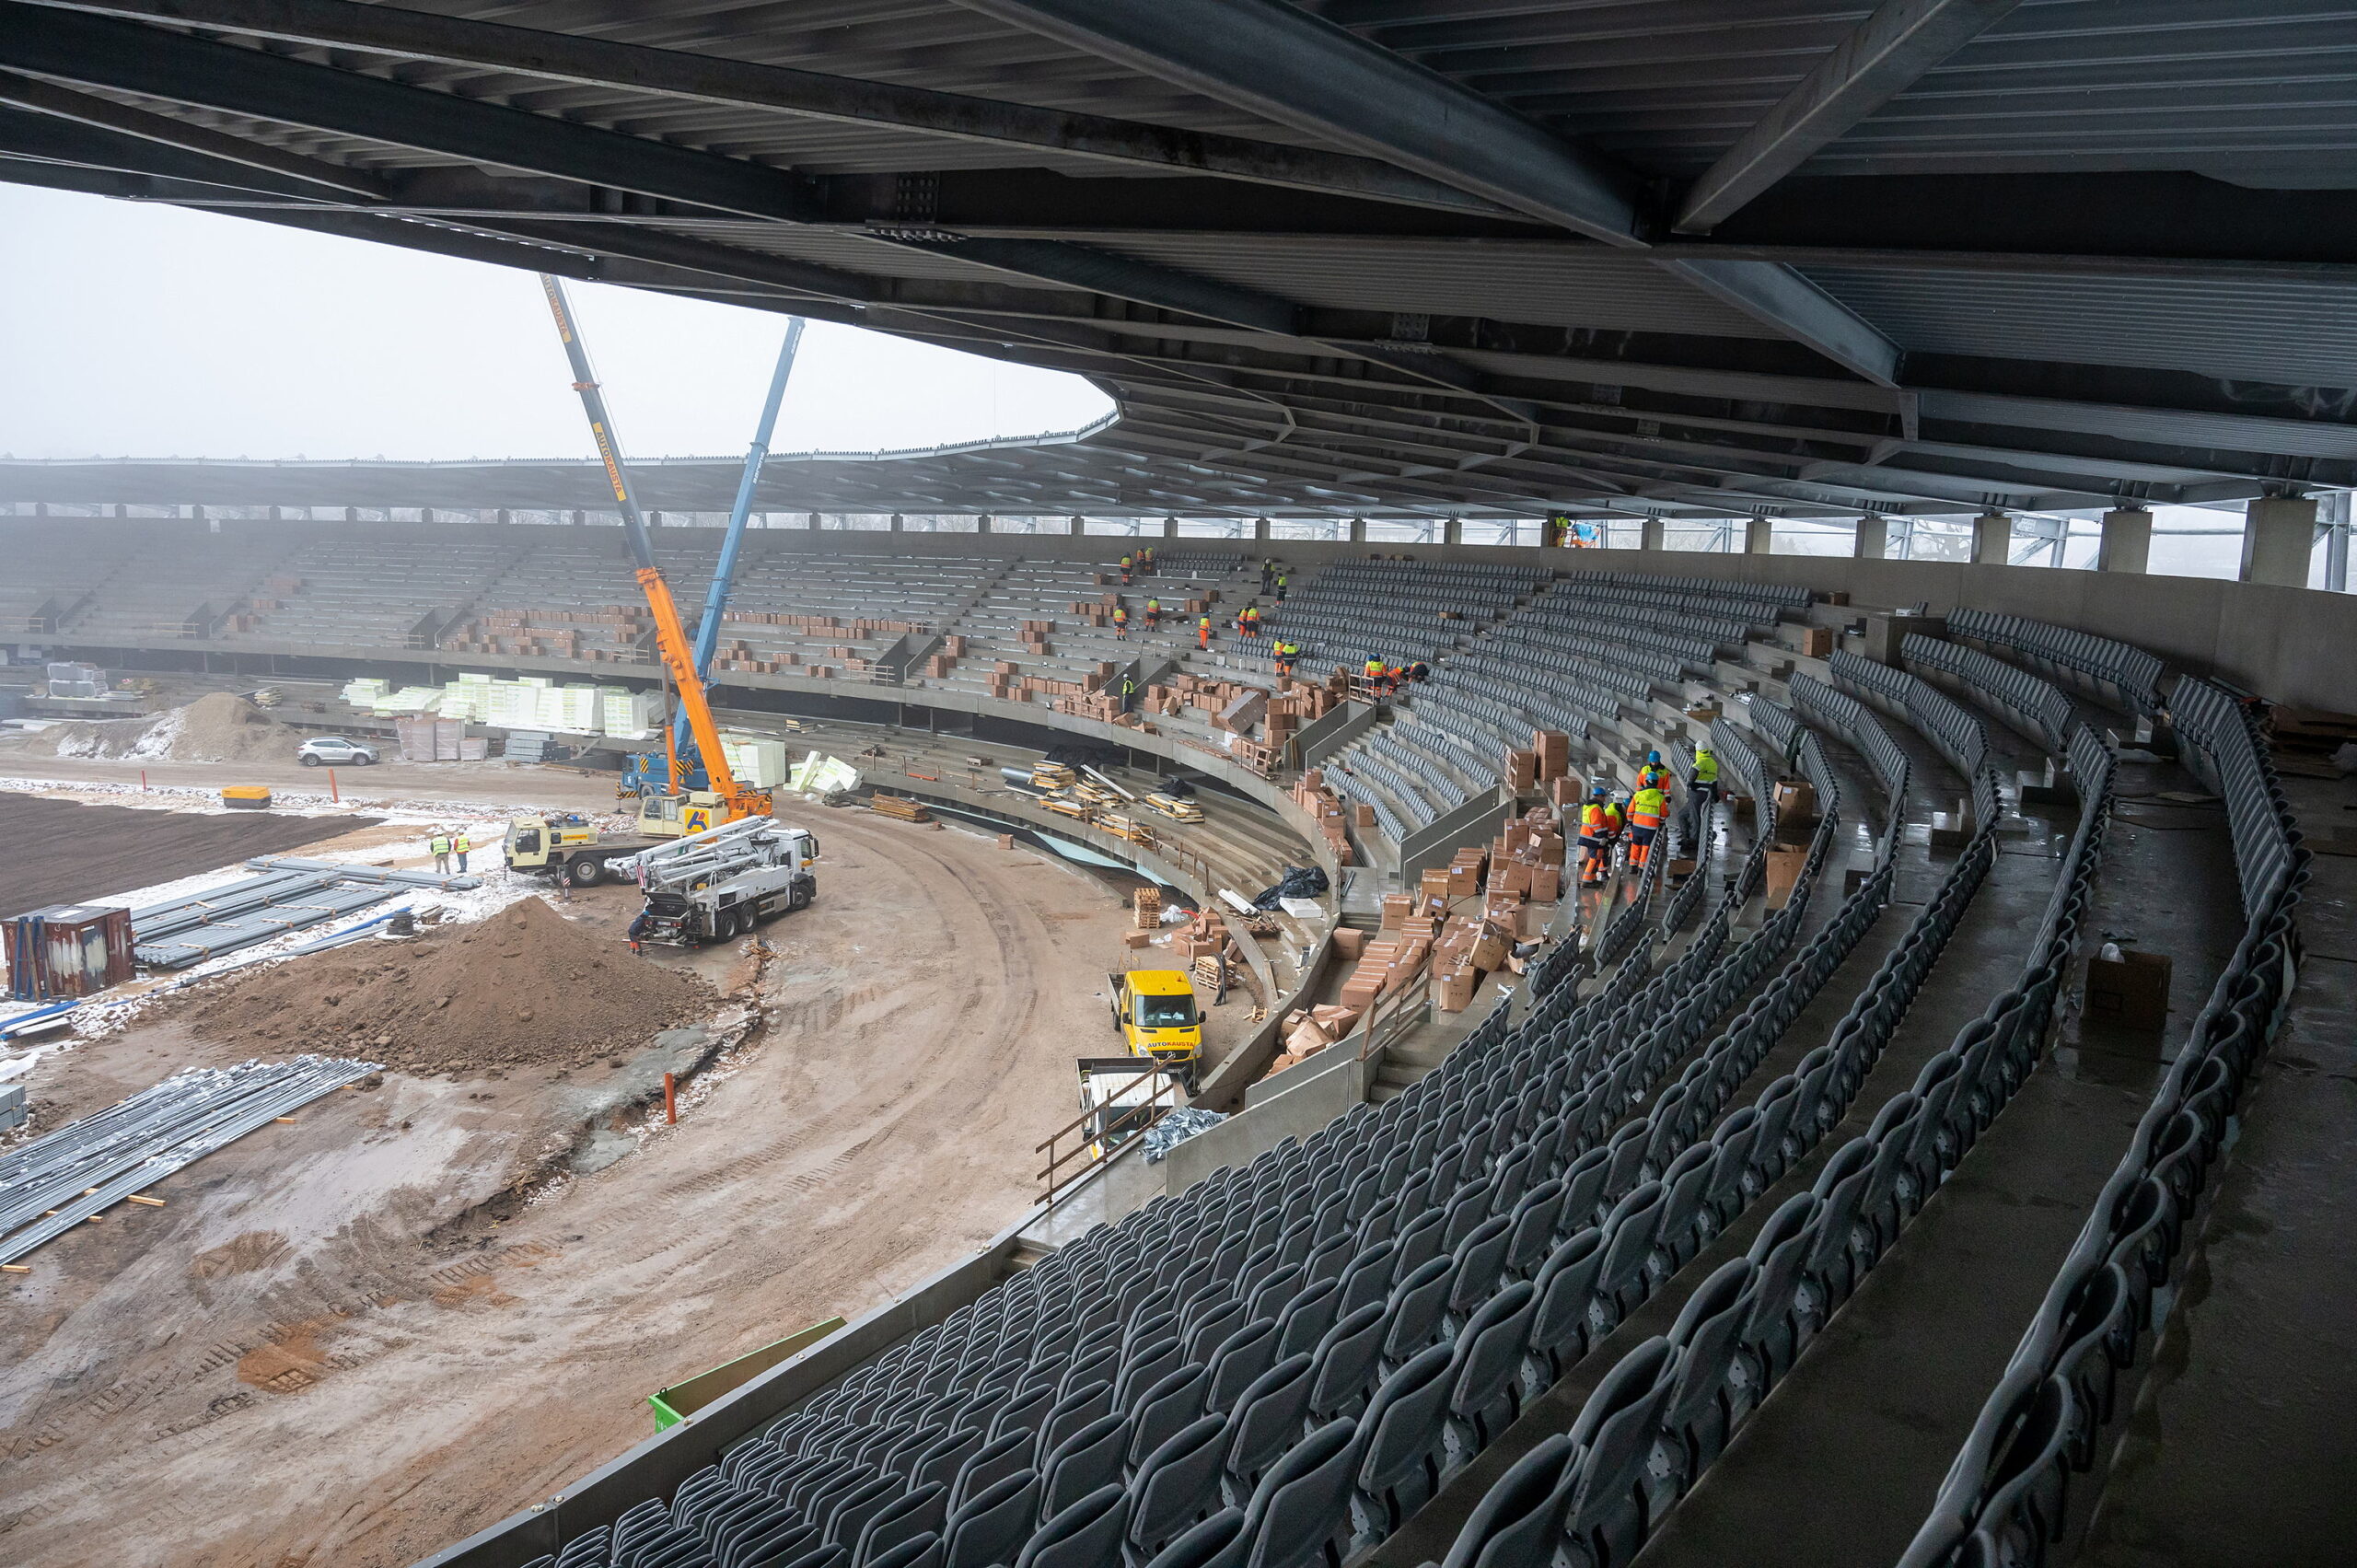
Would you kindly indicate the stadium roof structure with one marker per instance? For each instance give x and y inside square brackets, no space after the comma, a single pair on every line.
[1468,257]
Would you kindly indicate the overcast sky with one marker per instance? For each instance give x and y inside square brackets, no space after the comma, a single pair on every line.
[138,329]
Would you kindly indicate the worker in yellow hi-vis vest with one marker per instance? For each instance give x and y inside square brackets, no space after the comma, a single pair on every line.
[1648,809]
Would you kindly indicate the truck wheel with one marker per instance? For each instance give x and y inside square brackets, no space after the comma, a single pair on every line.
[587,872]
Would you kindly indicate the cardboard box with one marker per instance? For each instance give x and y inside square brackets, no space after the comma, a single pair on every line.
[1396,908]
[1796,800]
[1453,991]
[1348,943]
[1546,884]
[1784,866]
[1521,770]
[2132,993]
[1434,883]
[1817,641]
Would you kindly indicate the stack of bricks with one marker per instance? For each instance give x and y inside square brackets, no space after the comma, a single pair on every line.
[1004,675]
[1035,636]
[568,633]
[822,625]
[940,665]
[1312,796]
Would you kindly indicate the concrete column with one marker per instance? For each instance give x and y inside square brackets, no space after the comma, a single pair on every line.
[1453,532]
[1170,528]
[1259,528]
[1076,526]
[2127,541]
[1992,538]
[896,525]
[983,523]
[1358,530]
[1760,537]
[2278,533]
[1874,537]
[1651,539]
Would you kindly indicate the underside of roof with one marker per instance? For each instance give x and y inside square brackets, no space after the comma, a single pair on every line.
[1463,257]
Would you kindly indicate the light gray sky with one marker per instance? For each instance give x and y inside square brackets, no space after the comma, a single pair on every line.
[140,330]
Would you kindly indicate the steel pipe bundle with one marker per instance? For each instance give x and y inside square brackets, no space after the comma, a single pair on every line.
[56,1181]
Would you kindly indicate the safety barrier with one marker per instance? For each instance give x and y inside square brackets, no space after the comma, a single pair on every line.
[2004,1498]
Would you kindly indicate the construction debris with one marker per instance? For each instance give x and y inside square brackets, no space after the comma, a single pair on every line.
[1175,1128]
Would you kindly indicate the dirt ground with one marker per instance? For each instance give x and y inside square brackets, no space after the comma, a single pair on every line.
[60,852]
[347,1342]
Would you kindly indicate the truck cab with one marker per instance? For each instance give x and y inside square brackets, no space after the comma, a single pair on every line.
[675,816]
[556,844]
[1155,1012]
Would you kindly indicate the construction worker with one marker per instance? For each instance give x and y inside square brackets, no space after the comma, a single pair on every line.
[637,932]
[459,846]
[1373,675]
[1127,563]
[1395,676]
[1252,621]
[1648,809]
[1653,774]
[1281,588]
[1121,622]
[1268,574]
[1420,672]
[1601,822]
[1705,782]
[1284,651]
[1203,633]
[1145,561]
[440,845]
[1129,691]
[1152,613]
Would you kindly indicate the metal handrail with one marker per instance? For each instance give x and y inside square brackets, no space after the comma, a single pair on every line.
[1152,1109]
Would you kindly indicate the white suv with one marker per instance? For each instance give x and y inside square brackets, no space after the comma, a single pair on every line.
[332,749]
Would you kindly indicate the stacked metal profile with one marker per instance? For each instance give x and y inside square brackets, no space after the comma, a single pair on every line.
[56,1181]
[290,894]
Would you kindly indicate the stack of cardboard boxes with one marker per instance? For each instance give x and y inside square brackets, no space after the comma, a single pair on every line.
[1796,801]
[1309,1030]
[1545,760]
[1312,796]
[1526,858]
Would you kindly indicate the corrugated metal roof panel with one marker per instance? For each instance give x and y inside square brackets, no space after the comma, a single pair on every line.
[1544,282]
[2147,424]
[2267,330]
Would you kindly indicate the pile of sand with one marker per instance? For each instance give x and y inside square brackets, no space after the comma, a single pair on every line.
[217,727]
[524,987]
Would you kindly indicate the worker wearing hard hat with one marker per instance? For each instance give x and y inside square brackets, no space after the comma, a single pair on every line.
[1600,824]
[1653,776]
[1705,782]
[1203,633]
[1121,622]
[1648,809]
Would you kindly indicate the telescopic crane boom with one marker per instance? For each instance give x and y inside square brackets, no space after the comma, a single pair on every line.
[670,636]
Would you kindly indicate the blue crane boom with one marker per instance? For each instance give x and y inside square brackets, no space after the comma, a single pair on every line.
[723,572]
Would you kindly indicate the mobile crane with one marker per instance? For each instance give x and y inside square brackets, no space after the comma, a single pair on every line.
[728,800]
[641,767]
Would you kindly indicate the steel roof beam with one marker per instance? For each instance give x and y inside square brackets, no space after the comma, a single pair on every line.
[78,144]
[316,175]
[420,35]
[1783,299]
[1294,68]
[1888,54]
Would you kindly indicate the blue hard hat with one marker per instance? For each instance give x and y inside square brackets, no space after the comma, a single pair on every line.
[1653,756]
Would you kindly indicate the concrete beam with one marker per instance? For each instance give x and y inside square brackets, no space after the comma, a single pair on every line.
[2127,543]
[2279,532]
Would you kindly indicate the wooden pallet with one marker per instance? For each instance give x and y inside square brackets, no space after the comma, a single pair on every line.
[898,809]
